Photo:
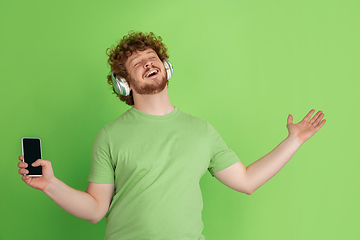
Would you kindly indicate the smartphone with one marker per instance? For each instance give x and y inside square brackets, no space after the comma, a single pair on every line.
[31,149]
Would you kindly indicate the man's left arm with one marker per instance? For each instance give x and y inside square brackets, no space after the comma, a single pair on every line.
[248,179]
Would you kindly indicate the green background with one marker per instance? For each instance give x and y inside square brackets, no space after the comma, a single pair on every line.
[241,65]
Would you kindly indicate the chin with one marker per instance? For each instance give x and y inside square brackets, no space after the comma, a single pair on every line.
[152,88]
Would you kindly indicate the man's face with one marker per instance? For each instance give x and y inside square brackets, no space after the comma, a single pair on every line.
[146,72]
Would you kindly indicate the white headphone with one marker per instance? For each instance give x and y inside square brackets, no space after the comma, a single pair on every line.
[122,87]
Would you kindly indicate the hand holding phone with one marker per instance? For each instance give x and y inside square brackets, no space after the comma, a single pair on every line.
[38,180]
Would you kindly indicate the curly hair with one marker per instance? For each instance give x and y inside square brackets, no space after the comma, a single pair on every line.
[134,41]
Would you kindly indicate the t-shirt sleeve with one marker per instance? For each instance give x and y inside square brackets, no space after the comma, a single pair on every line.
[221,155]
[102,169]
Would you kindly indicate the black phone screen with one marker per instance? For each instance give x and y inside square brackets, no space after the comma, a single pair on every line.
[32,152]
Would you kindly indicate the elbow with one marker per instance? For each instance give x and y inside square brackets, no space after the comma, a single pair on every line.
[249,191]
[93,221]
[246,191]
[97,216]
[251,188]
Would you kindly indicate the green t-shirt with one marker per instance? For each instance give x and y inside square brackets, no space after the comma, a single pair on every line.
[156,163]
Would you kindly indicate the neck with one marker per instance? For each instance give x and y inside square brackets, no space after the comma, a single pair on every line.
[154,104]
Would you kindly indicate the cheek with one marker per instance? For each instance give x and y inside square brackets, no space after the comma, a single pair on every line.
[161,66]
[136,73]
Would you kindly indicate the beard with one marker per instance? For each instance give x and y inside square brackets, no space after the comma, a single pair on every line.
[150,88]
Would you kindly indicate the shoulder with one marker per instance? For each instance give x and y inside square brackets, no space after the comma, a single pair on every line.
[198,124]
[122,119]
[192,118]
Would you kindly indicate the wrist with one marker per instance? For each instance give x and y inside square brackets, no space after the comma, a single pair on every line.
[50,185]
[294,141]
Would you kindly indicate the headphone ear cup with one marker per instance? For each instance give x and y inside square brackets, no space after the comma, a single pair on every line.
[120,85]
[169,68]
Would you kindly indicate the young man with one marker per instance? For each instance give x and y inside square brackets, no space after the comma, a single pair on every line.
[146,165]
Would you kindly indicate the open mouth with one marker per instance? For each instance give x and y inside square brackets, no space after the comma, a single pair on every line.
[151,73]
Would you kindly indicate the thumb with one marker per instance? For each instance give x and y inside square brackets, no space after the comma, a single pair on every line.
[39,162]
[290,119]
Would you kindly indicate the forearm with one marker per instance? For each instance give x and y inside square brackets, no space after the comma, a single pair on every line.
[78,203]
[268,166]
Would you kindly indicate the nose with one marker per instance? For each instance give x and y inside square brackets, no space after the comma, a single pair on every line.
[148,64]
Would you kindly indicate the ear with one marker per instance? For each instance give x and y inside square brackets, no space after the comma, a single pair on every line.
[128,84]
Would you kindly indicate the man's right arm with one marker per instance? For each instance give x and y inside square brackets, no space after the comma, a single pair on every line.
[91,205]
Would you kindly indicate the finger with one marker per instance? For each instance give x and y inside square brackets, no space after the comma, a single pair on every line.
[22,165]
[290,119]
[26,179]
[23,171]
[21,157]
[315,117]
[318,127]
[318,120]
[308,116]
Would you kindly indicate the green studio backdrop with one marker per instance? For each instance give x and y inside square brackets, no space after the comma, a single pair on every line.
[241,65]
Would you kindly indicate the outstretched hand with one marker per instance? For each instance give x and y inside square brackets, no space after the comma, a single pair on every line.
[307,127]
